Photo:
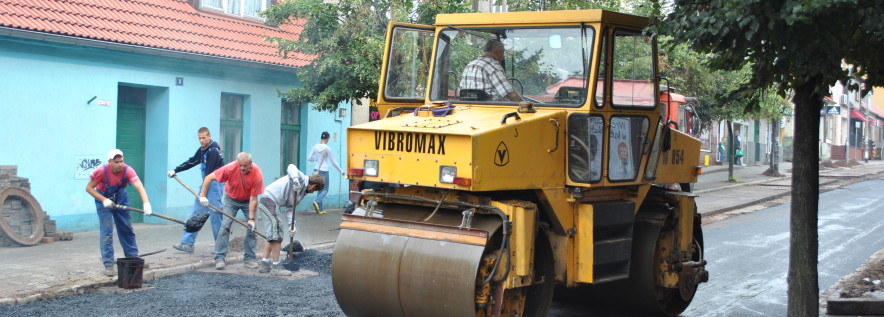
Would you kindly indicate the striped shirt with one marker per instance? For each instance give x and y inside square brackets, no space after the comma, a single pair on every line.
[485,73]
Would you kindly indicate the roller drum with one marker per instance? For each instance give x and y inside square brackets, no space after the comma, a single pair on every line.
[395,267]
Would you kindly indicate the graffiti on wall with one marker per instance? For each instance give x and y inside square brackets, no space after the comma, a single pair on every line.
[85,164]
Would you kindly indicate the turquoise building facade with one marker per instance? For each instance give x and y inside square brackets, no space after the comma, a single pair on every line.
[64,102]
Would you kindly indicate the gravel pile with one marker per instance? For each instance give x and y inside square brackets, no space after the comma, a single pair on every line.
[205,294]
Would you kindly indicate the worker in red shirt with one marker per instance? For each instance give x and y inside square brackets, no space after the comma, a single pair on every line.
[244,184]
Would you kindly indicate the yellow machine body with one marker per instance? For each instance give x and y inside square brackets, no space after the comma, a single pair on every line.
[481,207]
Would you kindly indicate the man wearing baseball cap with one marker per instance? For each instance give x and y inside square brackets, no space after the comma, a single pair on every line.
[107,184]
[322,155]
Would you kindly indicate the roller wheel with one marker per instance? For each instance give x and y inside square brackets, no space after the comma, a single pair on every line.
[649,297]
[539,297]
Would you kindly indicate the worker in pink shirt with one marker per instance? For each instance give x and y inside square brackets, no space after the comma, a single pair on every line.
[107,184]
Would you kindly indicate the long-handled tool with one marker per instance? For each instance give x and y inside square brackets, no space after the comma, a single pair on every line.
[150,253]
[289,263]
[153,214]
[218,209]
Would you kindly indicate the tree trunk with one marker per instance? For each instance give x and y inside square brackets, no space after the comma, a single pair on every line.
[803,277]
[731,153]
[774,169]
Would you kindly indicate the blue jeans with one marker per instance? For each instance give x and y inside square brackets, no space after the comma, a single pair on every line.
[106,220]
[231,207]
[324,191]
[214,195]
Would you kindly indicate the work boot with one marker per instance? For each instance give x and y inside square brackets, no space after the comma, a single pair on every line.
[250,264]
[109,271]
[316,208]
[278,270]
[264,267]
[219,265]
[183,248]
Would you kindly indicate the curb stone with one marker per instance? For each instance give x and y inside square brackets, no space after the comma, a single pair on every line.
[836,305]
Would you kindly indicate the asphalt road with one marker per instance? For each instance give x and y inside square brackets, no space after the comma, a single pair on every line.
[748,259]
[210,294]
[749,254]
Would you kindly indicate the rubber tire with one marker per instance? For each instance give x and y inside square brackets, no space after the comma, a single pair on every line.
[540,296]
[642,279]
[36,213]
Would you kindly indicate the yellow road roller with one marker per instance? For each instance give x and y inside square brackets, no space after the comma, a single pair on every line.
[520,155]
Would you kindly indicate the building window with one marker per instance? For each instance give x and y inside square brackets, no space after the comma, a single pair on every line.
[231,124]
[240,8]
[290,133]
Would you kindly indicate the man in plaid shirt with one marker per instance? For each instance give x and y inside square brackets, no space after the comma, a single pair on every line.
[485,73]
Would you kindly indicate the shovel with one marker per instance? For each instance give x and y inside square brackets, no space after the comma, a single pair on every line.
[154,214]
[217,209]
[289,263]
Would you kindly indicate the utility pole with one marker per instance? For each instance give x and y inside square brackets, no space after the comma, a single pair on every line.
[849,126]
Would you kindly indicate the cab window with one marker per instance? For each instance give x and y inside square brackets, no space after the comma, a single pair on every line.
[409,64]
[626,143]
[633,70]
[543,65]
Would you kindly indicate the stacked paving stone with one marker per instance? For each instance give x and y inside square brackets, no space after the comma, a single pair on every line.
[14,212]
[17,214]
[9,178]
[52,234]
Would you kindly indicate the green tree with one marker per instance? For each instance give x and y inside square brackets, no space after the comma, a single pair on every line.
[548,5]
[345,41]
[688,71]
[789,45]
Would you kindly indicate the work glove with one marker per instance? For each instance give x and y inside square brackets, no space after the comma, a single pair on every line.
[293,230]
[204,201]
[147,210]
[171,174]
[252,225]
[107,203]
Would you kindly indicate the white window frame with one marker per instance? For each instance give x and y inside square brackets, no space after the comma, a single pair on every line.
[225,8]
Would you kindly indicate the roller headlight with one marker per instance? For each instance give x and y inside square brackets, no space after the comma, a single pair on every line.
[370,167]
[447,174]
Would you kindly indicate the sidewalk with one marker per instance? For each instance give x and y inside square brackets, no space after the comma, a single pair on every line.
[717,195]
[64,268]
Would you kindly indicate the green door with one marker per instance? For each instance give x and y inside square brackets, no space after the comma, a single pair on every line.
[130,137]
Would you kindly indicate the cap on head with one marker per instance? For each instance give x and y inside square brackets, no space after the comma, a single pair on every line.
[325,135]
[113,154]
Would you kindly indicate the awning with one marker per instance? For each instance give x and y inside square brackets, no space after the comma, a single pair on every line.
[858,115]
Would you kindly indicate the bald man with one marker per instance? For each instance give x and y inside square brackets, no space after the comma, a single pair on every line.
[244,184]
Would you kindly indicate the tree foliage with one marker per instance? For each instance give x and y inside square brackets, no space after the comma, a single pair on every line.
[788,45]
[548,5]
[345,41]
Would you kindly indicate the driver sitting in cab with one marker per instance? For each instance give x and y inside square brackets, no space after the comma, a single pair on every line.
[486,74]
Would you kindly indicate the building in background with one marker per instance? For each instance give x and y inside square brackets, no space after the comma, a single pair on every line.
[849,122]
[82,77]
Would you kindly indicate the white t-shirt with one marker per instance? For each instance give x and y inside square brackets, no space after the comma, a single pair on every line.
[288,190]
[322,155]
